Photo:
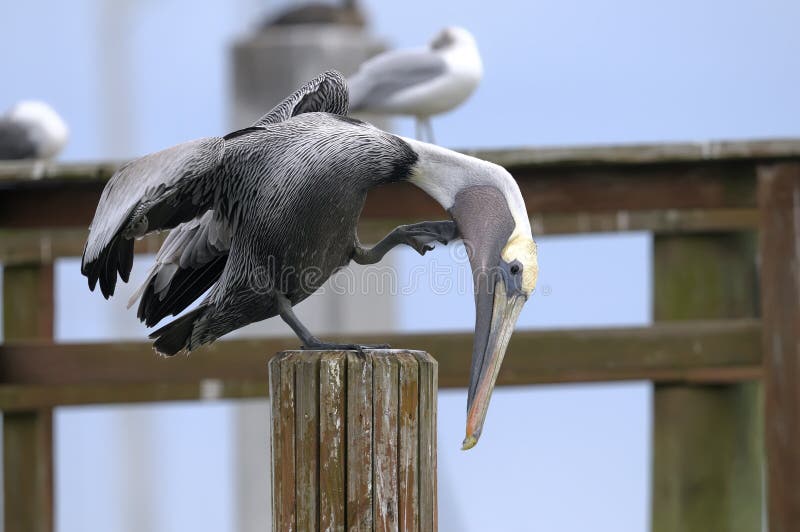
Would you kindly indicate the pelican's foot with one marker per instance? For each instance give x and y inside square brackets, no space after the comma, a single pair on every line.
[420,236]
[328,346]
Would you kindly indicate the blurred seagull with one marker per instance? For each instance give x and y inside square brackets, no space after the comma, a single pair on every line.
[32,130]
[420,82]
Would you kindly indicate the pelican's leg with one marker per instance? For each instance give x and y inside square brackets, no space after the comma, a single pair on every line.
[309,340]
[419,236]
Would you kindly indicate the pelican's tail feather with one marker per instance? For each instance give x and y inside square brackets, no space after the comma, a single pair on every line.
[177,336]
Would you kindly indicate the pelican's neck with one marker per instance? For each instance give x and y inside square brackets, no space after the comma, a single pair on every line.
[443,173]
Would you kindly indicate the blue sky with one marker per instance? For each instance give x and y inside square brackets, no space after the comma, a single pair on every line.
[566,72]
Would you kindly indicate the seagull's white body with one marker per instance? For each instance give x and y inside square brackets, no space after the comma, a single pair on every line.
[420,82]
[46,131]
[32,130]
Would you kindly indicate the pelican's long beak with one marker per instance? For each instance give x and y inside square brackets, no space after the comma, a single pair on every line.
[496,315]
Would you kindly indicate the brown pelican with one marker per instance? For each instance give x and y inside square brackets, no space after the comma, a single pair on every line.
[266,214]
[32,130]
[419,82]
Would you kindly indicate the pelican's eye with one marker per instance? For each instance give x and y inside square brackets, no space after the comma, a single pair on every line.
[521,257]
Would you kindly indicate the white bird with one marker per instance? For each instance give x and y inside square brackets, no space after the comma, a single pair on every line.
[32,130]
[420,82]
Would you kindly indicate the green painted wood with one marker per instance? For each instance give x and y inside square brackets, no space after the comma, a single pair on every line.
[707,451]
[28,471]
[28,302]
[28,435]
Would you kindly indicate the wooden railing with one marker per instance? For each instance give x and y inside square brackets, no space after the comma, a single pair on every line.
[708,351]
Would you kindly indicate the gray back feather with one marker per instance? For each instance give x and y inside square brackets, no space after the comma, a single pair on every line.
[326,93]
[390,73]
[192,247]
[176,182]
[295,190]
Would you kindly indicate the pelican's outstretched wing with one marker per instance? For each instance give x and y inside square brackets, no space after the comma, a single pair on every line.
[327,93]
[193,256]
[391,73]
[155,192]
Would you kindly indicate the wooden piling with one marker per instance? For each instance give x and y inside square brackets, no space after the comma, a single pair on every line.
[707,452]
[28,434]
[353,440]
[779,202]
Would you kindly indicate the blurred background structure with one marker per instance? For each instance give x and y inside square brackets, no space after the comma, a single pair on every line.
[131,77]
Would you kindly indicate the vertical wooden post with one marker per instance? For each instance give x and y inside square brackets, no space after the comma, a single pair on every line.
[28,436]
[707,451]
[353,440]
[779,203]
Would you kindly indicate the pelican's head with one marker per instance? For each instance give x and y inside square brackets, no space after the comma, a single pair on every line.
[45,126]
[505,267]
[487,206]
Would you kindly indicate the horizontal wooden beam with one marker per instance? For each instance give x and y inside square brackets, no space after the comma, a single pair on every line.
[23,246]
[668,221]
[549,189]
[43,246]
[36,375]
[684,152]
[709,175]
[598,155]
[25,397]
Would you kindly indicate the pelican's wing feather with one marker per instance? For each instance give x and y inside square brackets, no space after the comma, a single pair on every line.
[152,193]
[327,93]
[189,262]
[192,258]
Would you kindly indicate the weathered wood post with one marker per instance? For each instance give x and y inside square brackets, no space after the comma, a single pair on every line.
[707,450]
[353,440]
[779,203]
[28,436]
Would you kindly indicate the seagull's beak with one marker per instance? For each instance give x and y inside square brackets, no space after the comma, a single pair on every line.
[496,314]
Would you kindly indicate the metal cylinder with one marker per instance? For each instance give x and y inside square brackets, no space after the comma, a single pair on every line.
[273,63]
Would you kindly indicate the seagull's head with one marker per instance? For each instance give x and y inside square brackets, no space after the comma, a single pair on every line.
[45,126]
[452,37]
